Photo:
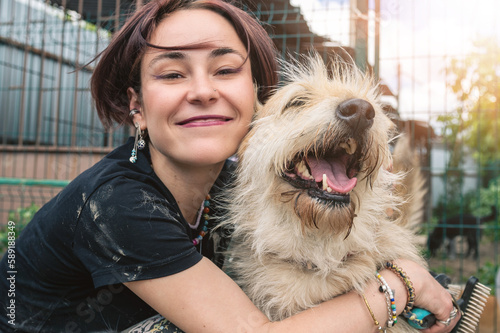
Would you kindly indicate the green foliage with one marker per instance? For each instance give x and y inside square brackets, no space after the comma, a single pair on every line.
[477,203]
[443,269]
[473,79]
[481,204]
[487,274]
[452,132]
[453,203]
[20,218]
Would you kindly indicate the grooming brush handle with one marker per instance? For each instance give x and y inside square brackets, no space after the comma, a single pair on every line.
[424,319]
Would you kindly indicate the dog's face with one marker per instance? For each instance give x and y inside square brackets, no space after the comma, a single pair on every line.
[321,141]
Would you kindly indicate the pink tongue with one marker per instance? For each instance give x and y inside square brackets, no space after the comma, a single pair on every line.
[336,175]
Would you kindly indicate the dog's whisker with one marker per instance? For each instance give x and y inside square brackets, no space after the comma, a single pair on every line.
[289,195]
[313,219]
[352,210]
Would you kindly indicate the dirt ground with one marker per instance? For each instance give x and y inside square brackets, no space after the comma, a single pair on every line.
[461,268]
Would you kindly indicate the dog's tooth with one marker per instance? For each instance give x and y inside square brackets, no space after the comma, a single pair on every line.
[306,173]
[329,189]
[300,167]
[303,170]
[345,146]
[350,146]
[353,144]
[325,184]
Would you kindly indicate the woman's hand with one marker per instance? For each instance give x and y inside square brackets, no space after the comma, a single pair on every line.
[430,295]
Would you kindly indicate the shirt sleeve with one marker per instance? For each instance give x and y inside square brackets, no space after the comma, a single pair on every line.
[129,231]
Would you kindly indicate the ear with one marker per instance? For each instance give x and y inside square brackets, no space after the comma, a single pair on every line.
[135,103]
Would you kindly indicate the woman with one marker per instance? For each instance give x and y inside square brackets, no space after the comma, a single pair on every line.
[122,242]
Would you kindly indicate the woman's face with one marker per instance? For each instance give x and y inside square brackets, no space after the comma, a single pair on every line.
[195,104]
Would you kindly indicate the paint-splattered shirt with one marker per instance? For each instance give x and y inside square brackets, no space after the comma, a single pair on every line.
[114,223]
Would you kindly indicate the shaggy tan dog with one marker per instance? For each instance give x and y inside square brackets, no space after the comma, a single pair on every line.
[309,207]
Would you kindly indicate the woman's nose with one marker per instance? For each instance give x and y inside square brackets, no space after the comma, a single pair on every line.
[202,91]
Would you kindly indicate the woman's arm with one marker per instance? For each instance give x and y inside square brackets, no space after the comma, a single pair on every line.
[204,299]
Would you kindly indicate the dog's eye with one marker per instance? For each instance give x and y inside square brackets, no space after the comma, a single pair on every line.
[296,102]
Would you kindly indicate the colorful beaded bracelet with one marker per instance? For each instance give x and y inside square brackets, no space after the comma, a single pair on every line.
[389,298]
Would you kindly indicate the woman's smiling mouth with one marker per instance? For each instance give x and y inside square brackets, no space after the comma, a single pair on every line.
[206,120]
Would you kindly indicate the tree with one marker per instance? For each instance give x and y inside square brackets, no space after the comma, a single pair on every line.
[475,81]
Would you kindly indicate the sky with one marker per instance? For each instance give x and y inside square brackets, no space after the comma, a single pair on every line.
[421,36]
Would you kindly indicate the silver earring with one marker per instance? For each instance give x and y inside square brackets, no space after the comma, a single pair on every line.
[132,112]
[139,143]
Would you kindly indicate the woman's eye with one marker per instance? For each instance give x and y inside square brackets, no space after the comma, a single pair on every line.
[228,71]
[169,76]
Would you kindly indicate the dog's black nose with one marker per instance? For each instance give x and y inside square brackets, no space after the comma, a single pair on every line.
[357,113]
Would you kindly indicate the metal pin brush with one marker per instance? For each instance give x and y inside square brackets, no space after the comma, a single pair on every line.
[471,304]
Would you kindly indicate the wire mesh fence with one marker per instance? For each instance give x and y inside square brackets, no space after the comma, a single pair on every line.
[438,62]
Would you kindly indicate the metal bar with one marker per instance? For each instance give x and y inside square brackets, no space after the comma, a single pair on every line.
[40,86]
[59,79]
[20,134]
[117,27]
[98,24]
[56,149]
[361,34]
[33,182]
[8,116]
[39,52]
[75,92]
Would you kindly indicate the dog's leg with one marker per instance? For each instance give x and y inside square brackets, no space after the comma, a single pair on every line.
[452,248]
[473,243]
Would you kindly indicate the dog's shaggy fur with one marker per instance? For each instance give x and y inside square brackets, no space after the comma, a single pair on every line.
[412,188]
[294,243]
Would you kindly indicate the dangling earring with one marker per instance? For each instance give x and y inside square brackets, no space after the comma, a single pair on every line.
[139,143]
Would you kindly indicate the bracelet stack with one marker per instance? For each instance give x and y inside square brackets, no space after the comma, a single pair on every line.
[389,297]
[407,312]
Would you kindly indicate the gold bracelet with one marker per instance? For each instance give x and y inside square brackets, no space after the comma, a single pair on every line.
[375,321]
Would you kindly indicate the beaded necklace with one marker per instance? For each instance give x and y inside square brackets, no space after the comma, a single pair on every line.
[205,209]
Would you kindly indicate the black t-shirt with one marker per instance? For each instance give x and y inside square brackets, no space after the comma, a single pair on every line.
[114,223]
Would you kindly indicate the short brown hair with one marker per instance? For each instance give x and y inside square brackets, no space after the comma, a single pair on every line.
[119,64]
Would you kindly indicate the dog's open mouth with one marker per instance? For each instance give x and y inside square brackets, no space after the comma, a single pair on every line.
[330,177]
